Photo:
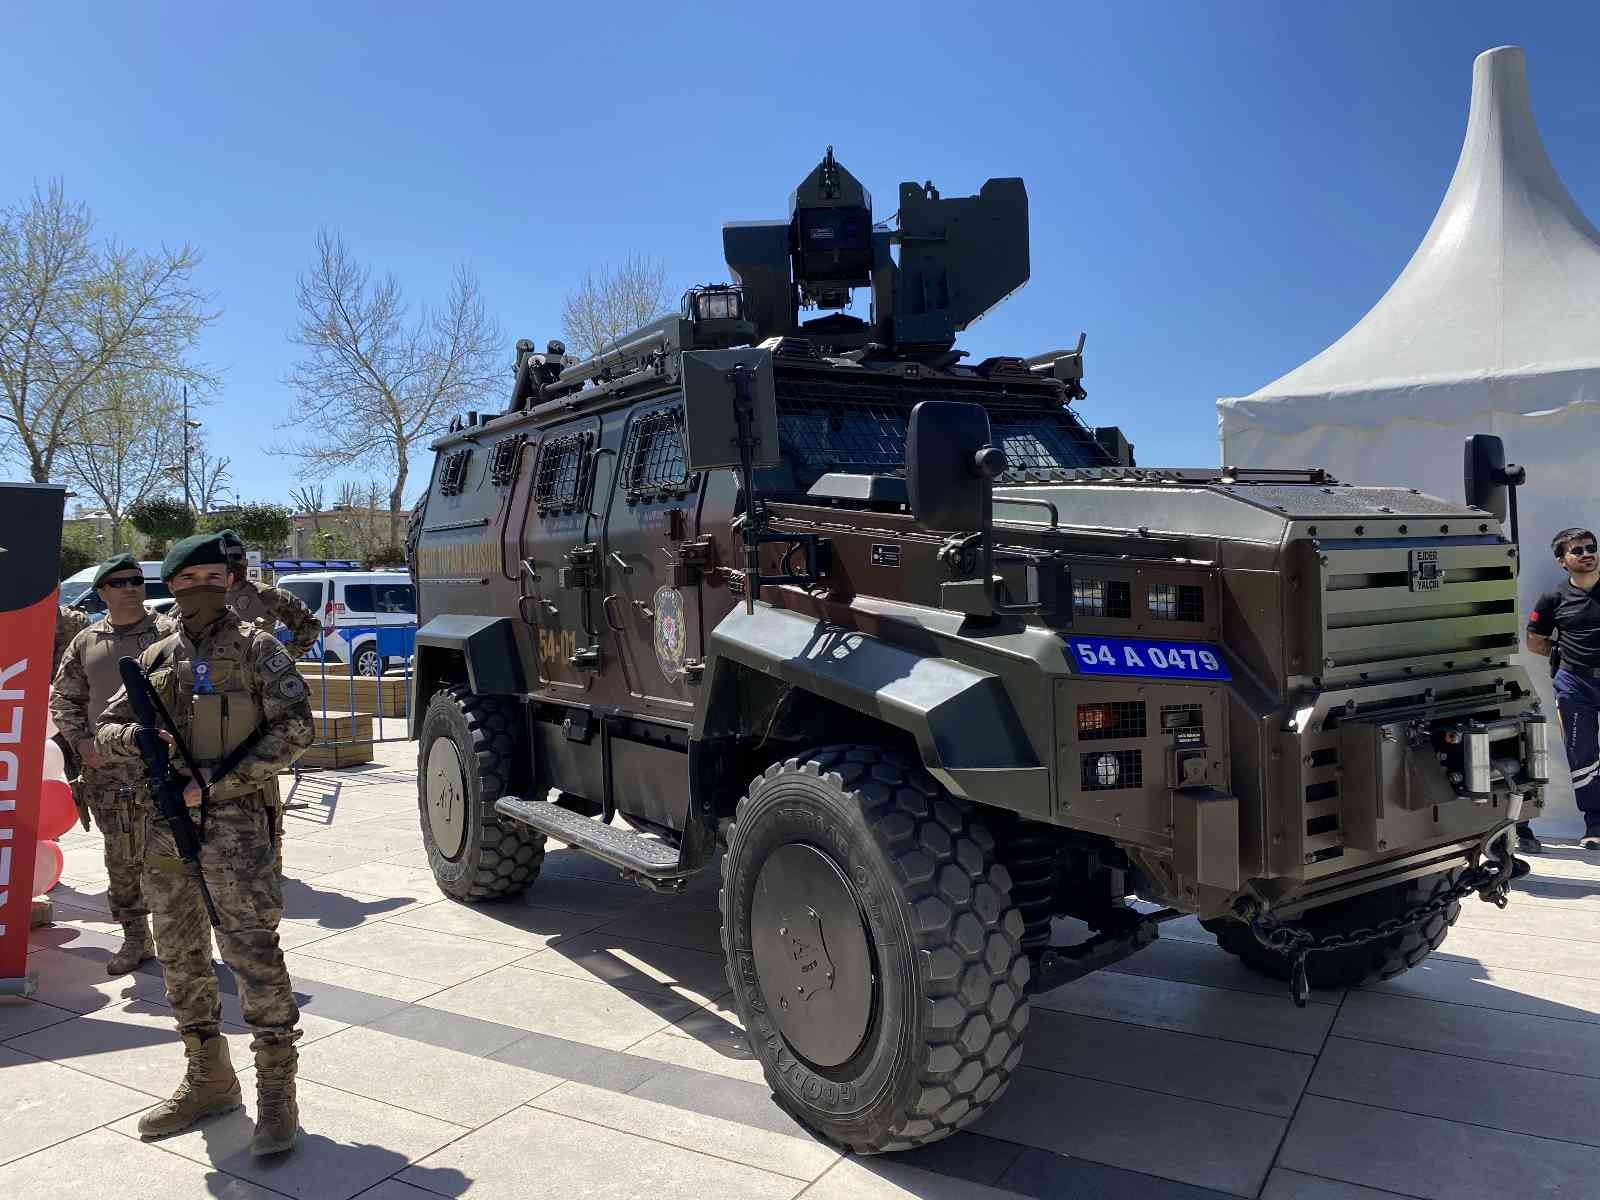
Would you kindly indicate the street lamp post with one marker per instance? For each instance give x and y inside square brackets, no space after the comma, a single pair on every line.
[188,498]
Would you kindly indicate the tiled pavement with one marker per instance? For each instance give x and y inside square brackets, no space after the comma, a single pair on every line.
[580,1040]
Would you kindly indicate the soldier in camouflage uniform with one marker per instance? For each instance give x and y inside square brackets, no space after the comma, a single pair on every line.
[269,607]
[70,622]
[227,685]
[113,791]
[266,605]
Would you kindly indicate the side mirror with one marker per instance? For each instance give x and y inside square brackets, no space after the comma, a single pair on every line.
[1483,473]
[950,465]
[710,410]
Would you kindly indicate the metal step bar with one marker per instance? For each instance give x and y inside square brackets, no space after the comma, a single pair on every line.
[634,854]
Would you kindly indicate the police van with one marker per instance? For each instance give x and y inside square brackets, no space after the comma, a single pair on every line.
[369,618]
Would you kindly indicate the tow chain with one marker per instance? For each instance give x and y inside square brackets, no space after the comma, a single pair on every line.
[1491,880]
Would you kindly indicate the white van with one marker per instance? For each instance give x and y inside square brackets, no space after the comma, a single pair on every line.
[77,591]
[369,618]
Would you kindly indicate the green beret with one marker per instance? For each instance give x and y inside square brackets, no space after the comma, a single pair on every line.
[231,539]
[200,550]
[119,562]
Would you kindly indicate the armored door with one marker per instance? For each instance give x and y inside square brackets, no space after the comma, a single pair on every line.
[653,561]
[559,559]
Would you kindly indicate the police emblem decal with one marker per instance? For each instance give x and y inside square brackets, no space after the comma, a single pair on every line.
[671,638]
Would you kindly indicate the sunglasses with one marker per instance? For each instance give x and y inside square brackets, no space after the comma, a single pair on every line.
[1586,548]
[123,581]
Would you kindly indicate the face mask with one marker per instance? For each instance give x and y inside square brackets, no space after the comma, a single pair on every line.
[201,605]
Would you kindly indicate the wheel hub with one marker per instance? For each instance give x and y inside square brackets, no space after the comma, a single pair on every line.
[811,954]
[446,798]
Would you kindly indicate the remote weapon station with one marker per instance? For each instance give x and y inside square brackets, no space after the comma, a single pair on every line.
[931,663]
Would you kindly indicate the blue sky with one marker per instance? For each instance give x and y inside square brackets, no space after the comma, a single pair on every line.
[1218,191]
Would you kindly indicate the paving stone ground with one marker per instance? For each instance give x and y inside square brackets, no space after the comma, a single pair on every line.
[580,1041]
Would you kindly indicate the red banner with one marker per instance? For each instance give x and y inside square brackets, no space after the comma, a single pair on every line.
[30,543]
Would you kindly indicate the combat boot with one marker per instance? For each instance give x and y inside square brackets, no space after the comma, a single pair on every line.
[277,1114]
[209,1088]
[136,948]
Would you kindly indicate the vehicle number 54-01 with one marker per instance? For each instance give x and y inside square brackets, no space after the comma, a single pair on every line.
[1140,656]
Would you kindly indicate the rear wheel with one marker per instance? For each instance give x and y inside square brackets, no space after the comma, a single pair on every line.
[874,953]
[1359,965]
[366,660]
[465,760]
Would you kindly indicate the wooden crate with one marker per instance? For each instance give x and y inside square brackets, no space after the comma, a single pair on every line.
[350,733]
[361,693]
[330,757]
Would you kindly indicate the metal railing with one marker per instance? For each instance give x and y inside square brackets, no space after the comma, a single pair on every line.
[361,702]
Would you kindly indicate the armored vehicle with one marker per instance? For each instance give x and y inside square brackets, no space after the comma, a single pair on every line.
[932,663]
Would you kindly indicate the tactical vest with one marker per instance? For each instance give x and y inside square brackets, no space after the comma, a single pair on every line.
[102,651]
[214,696]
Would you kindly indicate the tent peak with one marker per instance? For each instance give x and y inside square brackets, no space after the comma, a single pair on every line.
[1507,278]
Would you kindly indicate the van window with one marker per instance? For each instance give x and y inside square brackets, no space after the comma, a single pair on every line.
[380,598]
[307,592]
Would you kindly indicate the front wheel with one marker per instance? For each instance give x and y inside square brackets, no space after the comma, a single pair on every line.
[874,953]
[466,757]
[1357,966]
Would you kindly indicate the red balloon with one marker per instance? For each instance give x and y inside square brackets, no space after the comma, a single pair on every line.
[47,863]
[56,810]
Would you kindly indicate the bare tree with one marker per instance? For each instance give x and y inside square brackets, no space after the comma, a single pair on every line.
[207,472]
[371,381]
[72,310]
[120,444]
[359,505]
[610,303]
[309,499]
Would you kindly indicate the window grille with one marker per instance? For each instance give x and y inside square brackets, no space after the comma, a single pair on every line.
[653,462]
[453,476]
[563,475]
[1177,602]
[503,466]
[1101,597]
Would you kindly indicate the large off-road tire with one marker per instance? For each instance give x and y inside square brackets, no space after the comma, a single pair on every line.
[465,760]
[874,953]
[1371,963]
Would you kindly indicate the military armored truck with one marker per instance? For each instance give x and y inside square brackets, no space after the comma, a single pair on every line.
[922,662]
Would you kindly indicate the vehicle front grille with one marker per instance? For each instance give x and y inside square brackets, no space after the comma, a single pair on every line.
[1388,610]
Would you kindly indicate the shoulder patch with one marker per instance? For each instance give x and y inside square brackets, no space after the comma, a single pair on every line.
[278,662]
[291,687]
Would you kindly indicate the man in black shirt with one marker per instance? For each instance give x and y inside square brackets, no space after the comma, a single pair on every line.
[1570,617]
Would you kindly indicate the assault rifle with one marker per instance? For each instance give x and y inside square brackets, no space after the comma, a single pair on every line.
[166,784]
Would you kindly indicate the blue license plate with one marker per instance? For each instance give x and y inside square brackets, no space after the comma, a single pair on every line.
[1146,659]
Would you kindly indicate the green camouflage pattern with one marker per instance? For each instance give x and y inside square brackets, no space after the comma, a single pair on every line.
[69,623]
[238,857]
[268,606]
[237,860]
[112,790]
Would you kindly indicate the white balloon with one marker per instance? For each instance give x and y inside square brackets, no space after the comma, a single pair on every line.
[55,763]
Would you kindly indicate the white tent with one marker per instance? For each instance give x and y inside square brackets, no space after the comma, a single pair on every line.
[1493,327]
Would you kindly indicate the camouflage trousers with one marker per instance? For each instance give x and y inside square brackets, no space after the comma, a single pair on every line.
[238,861]
[118,808]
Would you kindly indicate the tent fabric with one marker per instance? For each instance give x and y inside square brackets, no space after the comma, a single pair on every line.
[1492,327]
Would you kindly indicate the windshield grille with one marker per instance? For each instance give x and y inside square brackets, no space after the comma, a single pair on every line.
[858,427]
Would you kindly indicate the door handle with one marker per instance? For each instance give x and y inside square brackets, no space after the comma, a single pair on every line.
[622,563]
[645,610]
[605,608]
